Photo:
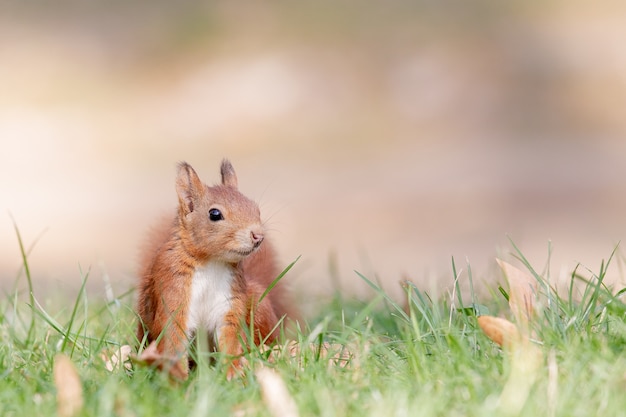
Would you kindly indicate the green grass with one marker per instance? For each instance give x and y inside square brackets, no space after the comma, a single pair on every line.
[429,359]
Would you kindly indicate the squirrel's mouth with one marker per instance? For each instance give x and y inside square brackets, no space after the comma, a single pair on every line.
[244,253]
[244,250]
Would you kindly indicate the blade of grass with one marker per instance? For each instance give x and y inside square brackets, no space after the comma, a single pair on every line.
[457,290]
[31,294]
[380,291]
[555,304]
[592,302]
[107,305]
[74,310]
[277,279]
[528,266]
[58,327]
[422,306]
[364,312]
[72,337]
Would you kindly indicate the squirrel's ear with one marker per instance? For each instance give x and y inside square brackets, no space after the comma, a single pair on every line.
[188,186]
[229,177]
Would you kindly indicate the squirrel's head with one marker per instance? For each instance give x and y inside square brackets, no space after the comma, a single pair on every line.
[218,222]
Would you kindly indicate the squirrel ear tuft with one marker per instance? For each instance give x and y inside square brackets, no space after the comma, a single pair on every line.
[188,187]
[229,177]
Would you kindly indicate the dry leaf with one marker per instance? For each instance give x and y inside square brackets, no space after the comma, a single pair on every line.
[152,357]
[337,354]
[149,355]
[275,394]
[522,293]
[526,357]
[249,408]
[69,388]
[553,383]
[120,356]
[291,348]
[500,330]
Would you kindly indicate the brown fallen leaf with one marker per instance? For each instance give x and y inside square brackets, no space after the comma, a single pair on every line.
[526,358]
[522,294]
[275,394]
[68,385]
[149,355]
[500,330]
[526,363]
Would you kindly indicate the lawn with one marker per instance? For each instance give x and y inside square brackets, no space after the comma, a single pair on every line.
[419,356]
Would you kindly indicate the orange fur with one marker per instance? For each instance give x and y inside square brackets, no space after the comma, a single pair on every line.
[177,249]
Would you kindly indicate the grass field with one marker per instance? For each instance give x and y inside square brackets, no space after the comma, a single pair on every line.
[420,357]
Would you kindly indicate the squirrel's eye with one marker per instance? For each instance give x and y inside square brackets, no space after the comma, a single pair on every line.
[215,215]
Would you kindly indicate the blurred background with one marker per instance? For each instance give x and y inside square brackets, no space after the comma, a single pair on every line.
[385,137]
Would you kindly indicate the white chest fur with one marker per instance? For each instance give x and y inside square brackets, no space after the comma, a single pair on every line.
[211,294]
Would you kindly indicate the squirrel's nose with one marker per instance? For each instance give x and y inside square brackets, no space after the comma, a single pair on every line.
[257,237]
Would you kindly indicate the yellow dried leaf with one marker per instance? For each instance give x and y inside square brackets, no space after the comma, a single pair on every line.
[337,354]
[119,357]
[525,359]
[275,394]
[69,388]
[522,293]
[526,363]
[152,357]
[500,330]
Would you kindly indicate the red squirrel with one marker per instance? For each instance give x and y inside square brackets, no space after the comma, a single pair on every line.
[207,269]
